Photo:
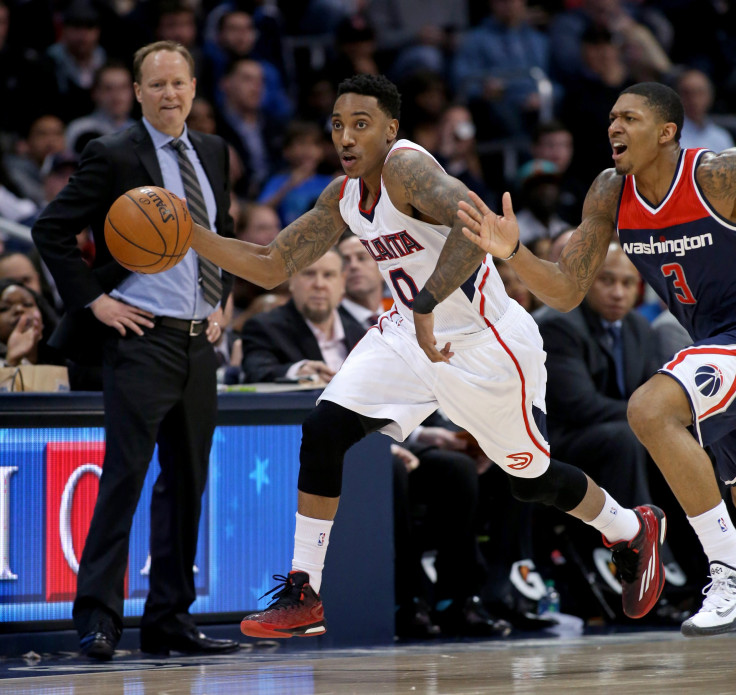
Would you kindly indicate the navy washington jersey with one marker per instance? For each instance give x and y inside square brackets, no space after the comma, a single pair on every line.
[684,249]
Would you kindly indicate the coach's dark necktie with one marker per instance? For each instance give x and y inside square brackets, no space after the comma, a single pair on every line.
[209,274]
[617,349]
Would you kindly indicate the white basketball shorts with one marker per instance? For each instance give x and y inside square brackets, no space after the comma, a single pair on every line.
[494,387]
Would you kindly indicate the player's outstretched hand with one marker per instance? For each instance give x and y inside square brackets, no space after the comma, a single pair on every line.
[424,326]
[495,234]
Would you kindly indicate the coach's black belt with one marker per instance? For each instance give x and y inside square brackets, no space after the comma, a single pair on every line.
[191,327]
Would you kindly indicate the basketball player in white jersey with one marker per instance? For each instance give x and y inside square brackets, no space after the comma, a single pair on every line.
[488,377]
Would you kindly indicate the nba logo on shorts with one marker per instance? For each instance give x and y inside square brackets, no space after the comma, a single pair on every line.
[722,524]
[708,379]
[321,539]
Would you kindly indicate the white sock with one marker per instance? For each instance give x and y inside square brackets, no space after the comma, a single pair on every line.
[615,522]
[716,534]
[310,547]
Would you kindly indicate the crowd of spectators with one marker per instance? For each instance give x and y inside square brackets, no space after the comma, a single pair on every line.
[507,94]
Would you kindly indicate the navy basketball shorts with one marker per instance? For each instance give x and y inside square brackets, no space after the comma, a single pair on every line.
[707,373]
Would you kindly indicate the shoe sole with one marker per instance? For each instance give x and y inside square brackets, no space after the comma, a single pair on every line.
[695,631]
[639,610]
[251,628]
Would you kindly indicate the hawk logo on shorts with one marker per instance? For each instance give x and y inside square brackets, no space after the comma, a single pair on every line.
[708,379]
[521,460]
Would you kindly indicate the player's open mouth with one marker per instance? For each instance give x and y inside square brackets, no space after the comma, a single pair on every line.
[348,160]
[618,149]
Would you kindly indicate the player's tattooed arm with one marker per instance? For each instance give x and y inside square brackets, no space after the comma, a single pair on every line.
[311,235]
[412,178]
[297,246]
[586,250]
[717,178]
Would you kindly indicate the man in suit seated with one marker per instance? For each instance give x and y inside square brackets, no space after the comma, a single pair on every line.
[597,355]
[310,336]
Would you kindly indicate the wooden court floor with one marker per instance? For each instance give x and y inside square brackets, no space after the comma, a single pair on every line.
[650,663]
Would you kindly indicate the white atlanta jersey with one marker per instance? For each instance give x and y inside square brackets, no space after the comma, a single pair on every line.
[407,249]
[494,385]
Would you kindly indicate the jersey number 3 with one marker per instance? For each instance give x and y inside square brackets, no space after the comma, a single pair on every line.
[682,291]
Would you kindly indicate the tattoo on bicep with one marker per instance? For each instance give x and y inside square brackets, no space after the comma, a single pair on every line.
[717,176]
[428,189]
[310,236]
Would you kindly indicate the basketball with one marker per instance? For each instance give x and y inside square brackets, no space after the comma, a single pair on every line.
[148,229]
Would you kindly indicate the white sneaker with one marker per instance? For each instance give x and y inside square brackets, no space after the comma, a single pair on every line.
[718,613]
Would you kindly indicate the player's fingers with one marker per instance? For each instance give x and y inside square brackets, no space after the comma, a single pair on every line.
[478,201]
[468,212]
[475,238]
[446,352]
[508,208]
[470,221]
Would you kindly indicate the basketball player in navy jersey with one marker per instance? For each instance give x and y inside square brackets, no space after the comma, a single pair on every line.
[488,377]
[675,213]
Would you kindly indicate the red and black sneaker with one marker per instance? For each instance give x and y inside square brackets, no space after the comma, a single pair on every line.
[639,563]
[296,610]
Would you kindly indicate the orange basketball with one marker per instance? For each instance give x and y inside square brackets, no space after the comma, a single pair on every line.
[148,229]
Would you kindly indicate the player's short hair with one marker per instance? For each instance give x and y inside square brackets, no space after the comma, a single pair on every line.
[663,100]
[385,91]
[142,53]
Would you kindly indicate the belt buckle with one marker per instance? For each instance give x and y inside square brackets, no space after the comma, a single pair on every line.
[193,328]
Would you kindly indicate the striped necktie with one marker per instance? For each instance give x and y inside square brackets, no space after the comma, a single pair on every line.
[209,273]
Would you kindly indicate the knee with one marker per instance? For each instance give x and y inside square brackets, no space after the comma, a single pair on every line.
[645,412]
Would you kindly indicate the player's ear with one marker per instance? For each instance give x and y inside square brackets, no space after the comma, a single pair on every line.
[392,129]
[667,133]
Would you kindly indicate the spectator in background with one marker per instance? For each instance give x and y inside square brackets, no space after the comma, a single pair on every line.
[21,268]
[243,123]
[641,51]
[257,224]
[514,287]
[112,94]
[27,84]
[412,22]
[310,336]
[424,101]
[76,58]
[175,20]
[457,150]
[202,116]
[553,141]
[45,136]
[236,41]
[539,186]
[698,130]
[492,70]
[23,336]
[14,206]
[355,49]
[294,191]
[588,99]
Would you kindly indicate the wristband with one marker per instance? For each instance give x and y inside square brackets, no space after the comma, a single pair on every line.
[424,302]
[514,252]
